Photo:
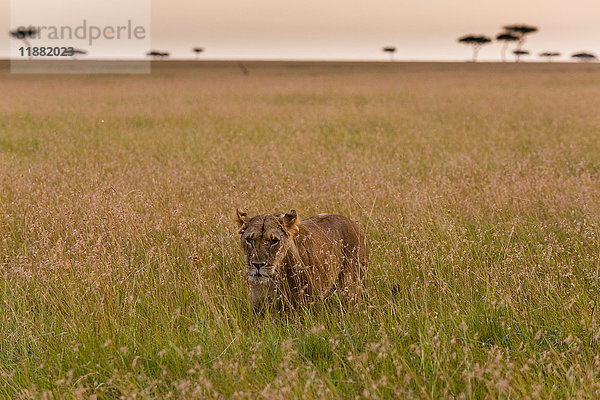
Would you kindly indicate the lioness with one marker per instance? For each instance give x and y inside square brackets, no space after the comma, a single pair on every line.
[297,262]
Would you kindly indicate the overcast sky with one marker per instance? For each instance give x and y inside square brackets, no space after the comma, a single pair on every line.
[317,29]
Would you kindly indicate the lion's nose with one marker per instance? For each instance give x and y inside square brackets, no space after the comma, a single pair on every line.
[258,264]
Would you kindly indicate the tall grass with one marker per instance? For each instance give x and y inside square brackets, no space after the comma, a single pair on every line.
[478,186]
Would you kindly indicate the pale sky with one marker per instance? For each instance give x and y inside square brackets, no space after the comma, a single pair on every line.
[317,29]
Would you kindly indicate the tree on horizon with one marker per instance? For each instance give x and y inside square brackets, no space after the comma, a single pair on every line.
[77,52]
[506,37]
[519,53]
[549,55]
[24,34]
[391,50]
[584,57]
[197,51]
[476,41]
[521,31]
[157,55]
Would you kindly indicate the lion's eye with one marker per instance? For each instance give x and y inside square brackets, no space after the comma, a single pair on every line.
[249,242]
[274,242]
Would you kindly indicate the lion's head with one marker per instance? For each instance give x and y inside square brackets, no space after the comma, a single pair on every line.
[265,240]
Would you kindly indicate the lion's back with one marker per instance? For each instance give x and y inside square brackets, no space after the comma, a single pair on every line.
[340,232]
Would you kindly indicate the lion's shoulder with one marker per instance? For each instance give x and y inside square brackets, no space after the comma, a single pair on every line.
[329,227]
[327,220]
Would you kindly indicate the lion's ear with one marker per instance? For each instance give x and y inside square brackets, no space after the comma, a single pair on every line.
[241,217]
[290,221]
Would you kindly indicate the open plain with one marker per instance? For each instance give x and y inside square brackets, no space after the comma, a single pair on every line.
[478,186]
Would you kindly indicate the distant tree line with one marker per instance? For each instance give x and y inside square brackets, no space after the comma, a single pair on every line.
[517,34]
[25,34]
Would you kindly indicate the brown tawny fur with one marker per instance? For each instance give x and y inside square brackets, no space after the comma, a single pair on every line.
[297,262]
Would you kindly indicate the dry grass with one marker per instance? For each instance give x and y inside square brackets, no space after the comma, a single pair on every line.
[479,187]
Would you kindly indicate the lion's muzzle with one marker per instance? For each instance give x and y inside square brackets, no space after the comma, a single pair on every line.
[259,272]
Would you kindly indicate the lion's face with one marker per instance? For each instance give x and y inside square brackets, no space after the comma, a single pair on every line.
[265,240]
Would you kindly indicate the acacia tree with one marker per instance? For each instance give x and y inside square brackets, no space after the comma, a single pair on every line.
[506,37]
[519,53]
[157,55]
[521,31]
[476,41]
[549,55]
[197,51]
[584,57]
[24,34]
[77,52]
[390,50]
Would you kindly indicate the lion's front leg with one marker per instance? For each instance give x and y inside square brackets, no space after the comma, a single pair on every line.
[260,293]
[350,283]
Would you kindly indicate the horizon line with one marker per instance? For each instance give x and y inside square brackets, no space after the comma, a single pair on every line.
[341,60]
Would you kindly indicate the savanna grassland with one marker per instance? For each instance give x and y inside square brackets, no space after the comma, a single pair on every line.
[478,187]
